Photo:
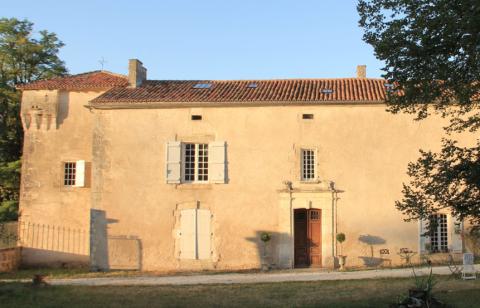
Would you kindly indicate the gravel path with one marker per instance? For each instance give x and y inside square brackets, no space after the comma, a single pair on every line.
[278,276]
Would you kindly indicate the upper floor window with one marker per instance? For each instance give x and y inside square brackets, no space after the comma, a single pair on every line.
[69,174]
[195,162]
[74,173]
[308,164]
[188,162]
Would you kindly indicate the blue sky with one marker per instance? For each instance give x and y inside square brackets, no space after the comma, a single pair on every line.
[207,39]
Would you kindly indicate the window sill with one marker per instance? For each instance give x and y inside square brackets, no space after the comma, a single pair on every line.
[310,181]
[194,186]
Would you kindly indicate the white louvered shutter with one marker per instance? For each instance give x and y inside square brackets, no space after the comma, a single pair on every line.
[216,161]
[80,173]
[422,229]
[187,234]
[454,239]
[204,234]
[173,161]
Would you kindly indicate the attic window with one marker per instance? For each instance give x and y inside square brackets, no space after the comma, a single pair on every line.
[327,91]
[307,116]
[202,86]
[252,85]
[196,117]
[388,86]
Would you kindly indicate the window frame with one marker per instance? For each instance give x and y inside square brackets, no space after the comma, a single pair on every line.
[439,239]
[313,165]
[199,168]
[69,177]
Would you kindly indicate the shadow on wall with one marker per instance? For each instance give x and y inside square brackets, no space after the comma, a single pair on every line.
[63,107]
[52,245]
[112,252]
[267,251]
[372,243]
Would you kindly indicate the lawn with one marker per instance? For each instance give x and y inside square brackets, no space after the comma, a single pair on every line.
[352,293]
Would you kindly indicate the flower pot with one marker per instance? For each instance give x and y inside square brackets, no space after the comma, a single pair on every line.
[342,261]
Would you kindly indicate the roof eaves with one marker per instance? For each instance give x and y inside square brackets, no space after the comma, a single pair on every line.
[161,105]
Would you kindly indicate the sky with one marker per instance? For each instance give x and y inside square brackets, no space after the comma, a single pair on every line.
[206,39]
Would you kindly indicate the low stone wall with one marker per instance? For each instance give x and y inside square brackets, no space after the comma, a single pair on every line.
[9,259]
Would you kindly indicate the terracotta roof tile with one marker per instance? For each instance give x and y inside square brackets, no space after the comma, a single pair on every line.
[362,90]
[85,81]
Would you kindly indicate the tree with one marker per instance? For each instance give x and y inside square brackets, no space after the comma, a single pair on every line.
[24,57]
[431,51]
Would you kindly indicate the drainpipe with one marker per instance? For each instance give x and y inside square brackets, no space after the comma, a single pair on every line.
[334,218]
[288,184]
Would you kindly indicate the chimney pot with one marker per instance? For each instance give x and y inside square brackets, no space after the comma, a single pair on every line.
[361,71]
[137,74]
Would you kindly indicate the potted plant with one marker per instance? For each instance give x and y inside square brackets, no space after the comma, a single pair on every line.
[341,258]
[265,237]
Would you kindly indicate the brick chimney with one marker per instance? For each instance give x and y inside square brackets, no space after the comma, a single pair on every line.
[361,71]
[137,74]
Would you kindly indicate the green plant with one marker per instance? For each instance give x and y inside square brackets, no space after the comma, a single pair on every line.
[265,237]
[425,284]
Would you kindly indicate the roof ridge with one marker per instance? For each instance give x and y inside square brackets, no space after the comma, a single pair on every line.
[262,80]
[91,79]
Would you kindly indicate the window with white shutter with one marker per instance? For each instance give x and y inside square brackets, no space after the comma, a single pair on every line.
[441,233]
[196,162]
[195,234]
[74,173]
[187,234]
[173,160]
[80,175]
[218,165]
[455,229]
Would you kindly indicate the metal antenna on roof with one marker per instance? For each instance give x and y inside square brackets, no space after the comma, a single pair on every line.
[102,62]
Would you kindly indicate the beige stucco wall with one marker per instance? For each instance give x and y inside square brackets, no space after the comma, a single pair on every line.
[55,218]
[363,149]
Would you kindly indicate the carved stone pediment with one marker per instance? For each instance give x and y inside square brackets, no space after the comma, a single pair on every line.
[39,109]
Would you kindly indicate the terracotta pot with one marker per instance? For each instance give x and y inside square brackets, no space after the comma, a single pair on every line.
[342,260]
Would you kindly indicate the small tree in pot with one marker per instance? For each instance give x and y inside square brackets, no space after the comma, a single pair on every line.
[265,237]
[341,258]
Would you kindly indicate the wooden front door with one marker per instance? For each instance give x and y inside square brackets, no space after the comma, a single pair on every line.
[308,238]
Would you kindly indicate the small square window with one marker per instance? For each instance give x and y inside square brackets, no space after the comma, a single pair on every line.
[196,117]
[70,170]
[307,116]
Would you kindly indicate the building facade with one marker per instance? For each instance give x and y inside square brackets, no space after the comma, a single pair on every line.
[129,173]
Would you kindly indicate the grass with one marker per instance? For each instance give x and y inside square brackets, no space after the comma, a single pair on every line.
[350,293]
[50,273]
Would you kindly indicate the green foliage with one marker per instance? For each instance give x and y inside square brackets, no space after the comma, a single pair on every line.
[449,179]
[340,237]
[265,237]
[9,193]
[24,57]
[431,51]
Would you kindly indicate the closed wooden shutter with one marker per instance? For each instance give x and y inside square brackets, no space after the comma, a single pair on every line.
[454,234]
[187,234]
[80,173]
[204,234]
[422,229]
[217,162]
[173,161]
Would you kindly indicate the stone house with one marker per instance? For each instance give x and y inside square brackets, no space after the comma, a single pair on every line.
[129,173]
